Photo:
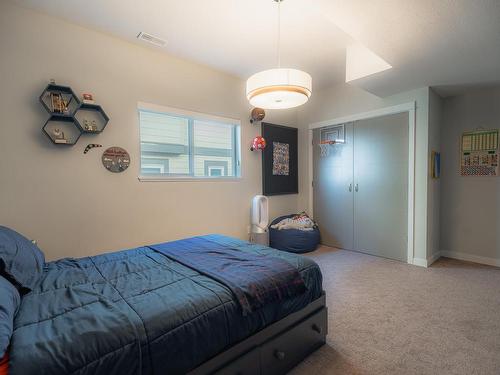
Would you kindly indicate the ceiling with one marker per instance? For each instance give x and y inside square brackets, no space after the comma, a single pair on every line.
[428,42]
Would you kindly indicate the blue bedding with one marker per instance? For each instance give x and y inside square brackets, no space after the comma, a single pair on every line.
[253,279]
[139,312]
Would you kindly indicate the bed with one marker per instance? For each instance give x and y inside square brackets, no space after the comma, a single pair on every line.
[139,311]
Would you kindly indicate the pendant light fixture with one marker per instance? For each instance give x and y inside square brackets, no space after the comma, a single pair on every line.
[279,88]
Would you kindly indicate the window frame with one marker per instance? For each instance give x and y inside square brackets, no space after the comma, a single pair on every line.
[210,165]
[192,116]
[221,169]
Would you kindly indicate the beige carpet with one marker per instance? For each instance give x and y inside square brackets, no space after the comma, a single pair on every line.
[387,317]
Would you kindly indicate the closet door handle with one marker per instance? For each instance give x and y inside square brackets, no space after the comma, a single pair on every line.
[350,188]
[356,188]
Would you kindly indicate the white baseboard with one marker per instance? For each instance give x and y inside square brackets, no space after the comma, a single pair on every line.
[471,258]
[422,262]
[433,258]
[456,255]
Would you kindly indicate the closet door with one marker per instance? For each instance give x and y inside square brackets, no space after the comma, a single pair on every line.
[381,186]
[333,191]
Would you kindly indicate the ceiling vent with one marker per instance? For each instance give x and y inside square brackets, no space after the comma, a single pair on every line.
[151,39]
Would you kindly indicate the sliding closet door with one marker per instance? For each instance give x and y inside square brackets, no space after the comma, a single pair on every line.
[333,190]
[381,186]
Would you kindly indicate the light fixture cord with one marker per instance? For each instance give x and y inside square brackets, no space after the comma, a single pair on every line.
[279,33]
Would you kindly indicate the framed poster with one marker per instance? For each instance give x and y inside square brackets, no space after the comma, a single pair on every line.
[279,160]
[479,153]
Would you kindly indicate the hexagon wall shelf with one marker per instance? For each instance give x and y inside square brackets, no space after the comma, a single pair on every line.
[71,101]
[91,118]
[69,118]
[62,130]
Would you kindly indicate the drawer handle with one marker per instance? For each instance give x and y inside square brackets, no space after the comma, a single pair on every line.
[316,328]
[279,355]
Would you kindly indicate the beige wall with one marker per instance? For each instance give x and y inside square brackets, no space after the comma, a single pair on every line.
[67,200]
[344,100]
[434,185]
[74,207]
[470,206]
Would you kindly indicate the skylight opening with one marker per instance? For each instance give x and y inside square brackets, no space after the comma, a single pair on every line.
[362,62]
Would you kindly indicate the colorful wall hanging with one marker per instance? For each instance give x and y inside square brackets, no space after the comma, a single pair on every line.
[479,153]
[279,160]
[435,164]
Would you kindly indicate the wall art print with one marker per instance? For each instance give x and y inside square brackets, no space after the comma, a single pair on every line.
[479,153]
[281,159]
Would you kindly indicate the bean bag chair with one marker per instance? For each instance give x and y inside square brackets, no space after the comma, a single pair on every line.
[293,240]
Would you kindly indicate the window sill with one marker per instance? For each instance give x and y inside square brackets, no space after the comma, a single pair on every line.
[188,179]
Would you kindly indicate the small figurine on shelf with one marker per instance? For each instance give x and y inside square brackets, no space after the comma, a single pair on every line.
[88,98]
[59,136]
[57,102]
[66,105]
[90,127]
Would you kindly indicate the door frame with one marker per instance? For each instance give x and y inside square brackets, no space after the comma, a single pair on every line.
[400,108]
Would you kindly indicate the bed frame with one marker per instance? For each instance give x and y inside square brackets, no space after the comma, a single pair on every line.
[275,349]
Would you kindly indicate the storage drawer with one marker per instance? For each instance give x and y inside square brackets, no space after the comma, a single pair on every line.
[284,351]
[248,364]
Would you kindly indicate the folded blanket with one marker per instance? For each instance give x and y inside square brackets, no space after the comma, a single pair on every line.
[300,221]
[255,280]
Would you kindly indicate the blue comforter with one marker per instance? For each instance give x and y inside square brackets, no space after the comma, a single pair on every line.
[255,280]
[139,312]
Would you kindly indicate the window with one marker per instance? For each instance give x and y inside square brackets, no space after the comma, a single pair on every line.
[215,168]
[151,168]
[181,144]
[215,172]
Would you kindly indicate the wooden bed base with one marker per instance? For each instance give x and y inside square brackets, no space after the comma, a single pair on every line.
[275,349]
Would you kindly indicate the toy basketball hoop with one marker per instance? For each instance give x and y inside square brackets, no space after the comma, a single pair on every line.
[330,136]
[325,147]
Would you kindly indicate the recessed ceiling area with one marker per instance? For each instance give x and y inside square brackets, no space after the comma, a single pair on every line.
[427,42]
[361,62]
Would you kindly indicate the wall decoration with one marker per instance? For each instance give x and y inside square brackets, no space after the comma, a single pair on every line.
[257,115]
[88,98]
[258,143]
[61,130]
[479,153]
[69,118]
[333,133]
[329,137]
[57,99]
[279,160]
[57,103]
[58,136]
[91,118]
[115,159]
[435,164]
[91,146]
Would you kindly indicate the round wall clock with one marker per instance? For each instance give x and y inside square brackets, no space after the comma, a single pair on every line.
[115,159]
